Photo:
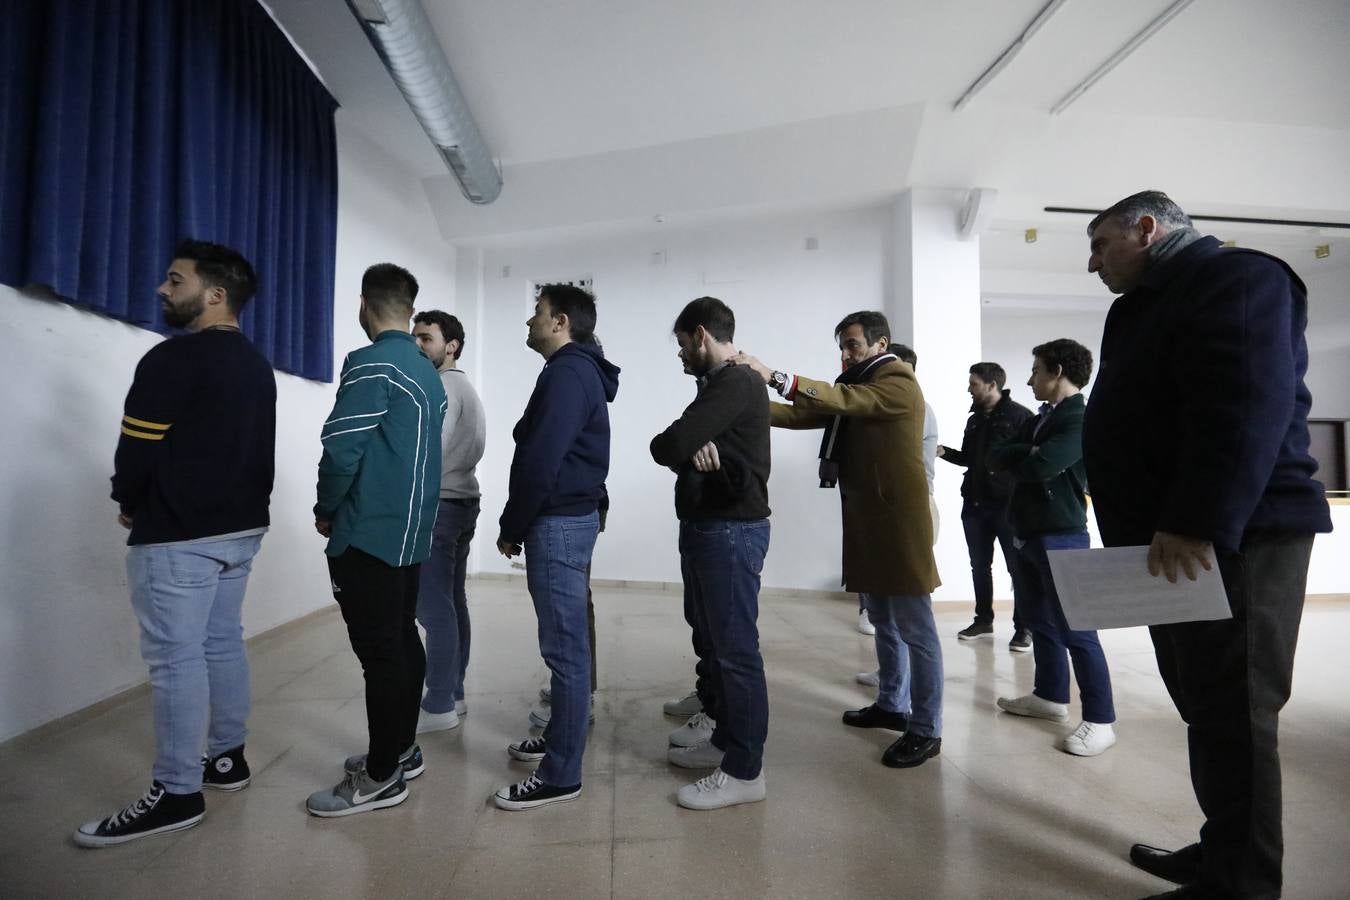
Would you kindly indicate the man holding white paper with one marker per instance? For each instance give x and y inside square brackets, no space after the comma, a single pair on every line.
[1196,444]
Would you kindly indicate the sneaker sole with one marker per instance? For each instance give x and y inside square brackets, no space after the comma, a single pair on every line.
[704,807]
[429,729]
[227,788]
[687,763]
[383,803]
[93,840]
[517,805]
[974,637]
[1085,751]
[1032,714]
[1026,649]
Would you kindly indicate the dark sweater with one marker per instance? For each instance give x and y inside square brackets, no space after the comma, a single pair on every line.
[983,431]
[732,411]
[197,450]
[1047,471]
[562,440]
[1199,417]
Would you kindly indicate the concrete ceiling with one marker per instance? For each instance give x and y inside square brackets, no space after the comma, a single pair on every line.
[611,112]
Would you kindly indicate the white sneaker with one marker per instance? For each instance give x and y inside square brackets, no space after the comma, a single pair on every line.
[871,679]
[430,721]
[1089,739]
[718,790]
[699,756]
[1035,707]
[462,708]
[865,625]
[686,706]
[540,715]
[698,729]
[546,694]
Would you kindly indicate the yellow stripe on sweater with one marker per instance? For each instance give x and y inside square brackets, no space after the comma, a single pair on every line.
[142,435]
[150,426]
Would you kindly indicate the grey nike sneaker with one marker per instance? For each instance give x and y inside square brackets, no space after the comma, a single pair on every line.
[410,762]
[357,792]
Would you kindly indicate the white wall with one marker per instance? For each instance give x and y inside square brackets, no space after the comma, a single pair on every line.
[67,634]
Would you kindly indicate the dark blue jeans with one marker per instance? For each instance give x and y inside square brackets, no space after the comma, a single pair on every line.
[985,523]
[721,560]
[557,554]
[1054,643]
[443,605]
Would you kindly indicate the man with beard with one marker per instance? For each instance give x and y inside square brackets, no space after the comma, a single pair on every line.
[873,417]
[192,481]
[1196,444]
[719,451]
[442,602]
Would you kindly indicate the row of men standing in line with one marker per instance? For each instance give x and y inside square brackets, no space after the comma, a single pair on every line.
[1260,523]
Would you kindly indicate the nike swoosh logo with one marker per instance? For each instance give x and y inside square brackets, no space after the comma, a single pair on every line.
[358,798]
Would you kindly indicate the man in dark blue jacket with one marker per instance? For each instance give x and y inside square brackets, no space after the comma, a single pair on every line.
[1196,443]
[557,479]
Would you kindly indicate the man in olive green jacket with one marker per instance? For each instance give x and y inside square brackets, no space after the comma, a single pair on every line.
[1049,512]
[873,416]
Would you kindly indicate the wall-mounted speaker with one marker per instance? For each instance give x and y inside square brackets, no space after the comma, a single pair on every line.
[978,212]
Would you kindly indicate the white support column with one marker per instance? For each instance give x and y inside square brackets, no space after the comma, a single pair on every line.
[934,306]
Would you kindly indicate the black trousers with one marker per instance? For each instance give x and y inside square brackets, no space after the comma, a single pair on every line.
[985,523]
[379,605]
[1229,680]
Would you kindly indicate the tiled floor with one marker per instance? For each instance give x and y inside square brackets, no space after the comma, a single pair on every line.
[999,814]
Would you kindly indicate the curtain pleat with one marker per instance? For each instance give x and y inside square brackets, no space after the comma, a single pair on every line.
[127,125]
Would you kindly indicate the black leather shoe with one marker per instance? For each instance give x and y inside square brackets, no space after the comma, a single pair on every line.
[910,751]
[875,717]
[1180,866]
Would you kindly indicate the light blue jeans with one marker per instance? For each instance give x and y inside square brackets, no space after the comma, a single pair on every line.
[910,659]
[557,553]
[188,598]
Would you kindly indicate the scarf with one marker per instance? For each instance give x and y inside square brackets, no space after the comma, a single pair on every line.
[1170,244]
[831,445]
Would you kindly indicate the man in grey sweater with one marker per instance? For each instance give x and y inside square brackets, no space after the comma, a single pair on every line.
[442,605]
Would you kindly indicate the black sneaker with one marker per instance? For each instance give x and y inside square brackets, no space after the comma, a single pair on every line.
[1021,642]
[528,750]
[532,793]
[975,630]
[227,771]
[156,812]
[410,762]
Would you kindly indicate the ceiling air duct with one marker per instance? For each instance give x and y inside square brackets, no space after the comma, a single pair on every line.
[404,39]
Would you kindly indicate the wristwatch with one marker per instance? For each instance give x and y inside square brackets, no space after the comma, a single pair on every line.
[778,381]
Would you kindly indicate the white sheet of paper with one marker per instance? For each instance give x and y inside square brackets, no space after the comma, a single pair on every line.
[1111,588]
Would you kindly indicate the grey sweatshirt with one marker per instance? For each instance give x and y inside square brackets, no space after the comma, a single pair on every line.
[463,436]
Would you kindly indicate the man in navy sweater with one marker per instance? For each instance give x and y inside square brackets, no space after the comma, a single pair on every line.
[193,480]
[1196,444]
[557,479]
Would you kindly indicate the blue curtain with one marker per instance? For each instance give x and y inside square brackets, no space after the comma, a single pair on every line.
[126,125]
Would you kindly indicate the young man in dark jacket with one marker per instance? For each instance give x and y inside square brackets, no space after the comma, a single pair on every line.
[1197,447]
[193,480]
[994,417]
[1049,512]
[557,479]
[719,450]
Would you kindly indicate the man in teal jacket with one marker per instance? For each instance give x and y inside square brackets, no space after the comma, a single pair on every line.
[379,482]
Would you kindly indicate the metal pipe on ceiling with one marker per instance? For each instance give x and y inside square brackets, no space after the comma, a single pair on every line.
[1008,54]
[403,37]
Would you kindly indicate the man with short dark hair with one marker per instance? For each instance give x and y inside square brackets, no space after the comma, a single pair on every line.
[719,451]
[377,496]
[873,450]
[442,601]
[557,478]
[1197,446]
[193,480]
[994,417]
[1048,511]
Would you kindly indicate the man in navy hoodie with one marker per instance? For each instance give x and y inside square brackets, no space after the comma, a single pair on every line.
[557,479]
[1196,443]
